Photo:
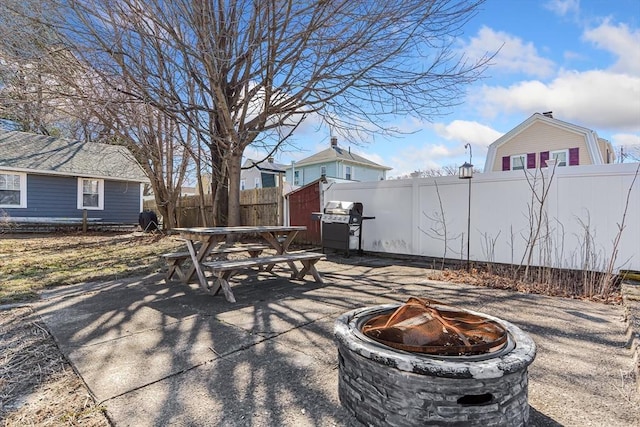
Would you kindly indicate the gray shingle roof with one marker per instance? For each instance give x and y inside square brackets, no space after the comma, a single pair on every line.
[265,165]
[336,153]
[29,152]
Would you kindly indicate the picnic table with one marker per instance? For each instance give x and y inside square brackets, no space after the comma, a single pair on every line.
[278,238]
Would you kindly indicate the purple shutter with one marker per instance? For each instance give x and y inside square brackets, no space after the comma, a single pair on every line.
[531,160]
[506,163]
[544,156]
[574,156]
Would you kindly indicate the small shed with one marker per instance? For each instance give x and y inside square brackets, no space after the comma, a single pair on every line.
[301,203]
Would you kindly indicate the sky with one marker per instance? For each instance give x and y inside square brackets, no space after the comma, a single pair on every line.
[577,58]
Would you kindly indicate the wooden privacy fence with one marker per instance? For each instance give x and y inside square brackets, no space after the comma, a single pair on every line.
[258,206]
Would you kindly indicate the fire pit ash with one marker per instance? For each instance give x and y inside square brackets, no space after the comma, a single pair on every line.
[426,363]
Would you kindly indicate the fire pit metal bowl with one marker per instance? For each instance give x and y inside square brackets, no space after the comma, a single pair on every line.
[385,386]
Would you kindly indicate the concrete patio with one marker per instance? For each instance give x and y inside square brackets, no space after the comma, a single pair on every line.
[155,354]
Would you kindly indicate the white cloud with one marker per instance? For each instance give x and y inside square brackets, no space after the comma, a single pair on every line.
[371,156]
[619,40]
[445,147]
[467,131]
[625,139]
[515,55]
[563,7]
[573,56]
[595,99]
[411,159]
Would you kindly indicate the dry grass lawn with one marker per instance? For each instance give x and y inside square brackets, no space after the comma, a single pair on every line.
[29,263]
[38,387]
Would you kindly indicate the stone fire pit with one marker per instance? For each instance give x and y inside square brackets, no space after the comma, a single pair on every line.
[386,386]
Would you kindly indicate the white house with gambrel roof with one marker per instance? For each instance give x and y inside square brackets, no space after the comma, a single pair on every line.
[335,163]
[542,137]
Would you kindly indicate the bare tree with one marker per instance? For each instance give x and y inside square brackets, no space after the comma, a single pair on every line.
[629,153]
[29,65]
[448,170]
[540,184]
[608,277]
[246,72]
[44,89]
[159,146]
[438,229]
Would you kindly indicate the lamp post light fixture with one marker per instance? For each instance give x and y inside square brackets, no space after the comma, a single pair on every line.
[466,172]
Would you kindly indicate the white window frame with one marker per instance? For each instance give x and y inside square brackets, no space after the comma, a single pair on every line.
[100,206]
[296,177]
[23,189]
[243,184]
[323,170]
[566,157]
[348,172]
[516,157]
[256,182]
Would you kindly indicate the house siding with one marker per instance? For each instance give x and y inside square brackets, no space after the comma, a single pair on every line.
[607,155]
[361,173]
[336,170]
[313,172]
[121,202]
[57,197]
[309,173]
[542,137]
[249,176]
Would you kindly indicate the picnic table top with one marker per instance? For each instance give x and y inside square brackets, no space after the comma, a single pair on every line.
[240,229]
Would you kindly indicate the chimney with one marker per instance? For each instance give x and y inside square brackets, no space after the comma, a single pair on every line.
[334,141]
[548,114]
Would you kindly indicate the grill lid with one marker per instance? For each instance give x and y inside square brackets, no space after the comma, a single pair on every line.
[419,327]
[336,207]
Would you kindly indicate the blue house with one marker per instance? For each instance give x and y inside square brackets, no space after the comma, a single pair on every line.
[48,179]
[335,163]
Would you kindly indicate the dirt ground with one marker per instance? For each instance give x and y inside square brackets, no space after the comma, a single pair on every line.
[37,385]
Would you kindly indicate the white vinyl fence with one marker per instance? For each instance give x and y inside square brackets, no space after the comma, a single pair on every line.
[580,218]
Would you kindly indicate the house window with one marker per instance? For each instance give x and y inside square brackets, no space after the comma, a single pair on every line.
[323,171]
[296,178]
[13,190]
[90,194]
[256,182]
[347,172]
[243,184]
[518,162]
[560,157]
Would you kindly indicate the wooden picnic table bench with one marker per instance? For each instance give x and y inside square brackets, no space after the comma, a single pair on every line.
[201,241]
[223,270]
[176,260]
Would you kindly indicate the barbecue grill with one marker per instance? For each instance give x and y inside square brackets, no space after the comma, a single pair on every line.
[342,226]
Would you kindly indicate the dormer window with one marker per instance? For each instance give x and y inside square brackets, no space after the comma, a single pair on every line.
[560,157]
[518,162]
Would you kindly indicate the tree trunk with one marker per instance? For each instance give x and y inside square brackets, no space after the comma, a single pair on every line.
[235,165]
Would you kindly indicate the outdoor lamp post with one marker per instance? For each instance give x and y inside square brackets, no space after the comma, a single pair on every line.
[466,172]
